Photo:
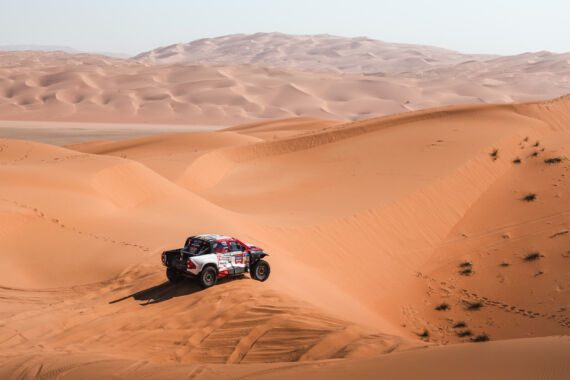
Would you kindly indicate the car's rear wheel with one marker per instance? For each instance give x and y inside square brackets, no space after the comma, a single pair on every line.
[174,275]
[261,270]
[208,277]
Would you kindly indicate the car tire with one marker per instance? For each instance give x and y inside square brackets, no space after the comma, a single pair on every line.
[261,271]
[173,275]
[208,277]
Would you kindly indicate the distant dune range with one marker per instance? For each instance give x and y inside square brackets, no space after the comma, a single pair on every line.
[322,52]
[317,76]
[380,219]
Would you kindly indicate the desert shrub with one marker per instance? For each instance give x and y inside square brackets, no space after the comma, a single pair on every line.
[474,305]
[517,160]
[494,154]
[532,256]
[464,333]
[459,325]
[480,338]
[442,307]
[424,334]
[505,264]
[465,264]
[553,160]
[529,197]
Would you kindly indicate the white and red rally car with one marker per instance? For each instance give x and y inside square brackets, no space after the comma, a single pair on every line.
[209,257]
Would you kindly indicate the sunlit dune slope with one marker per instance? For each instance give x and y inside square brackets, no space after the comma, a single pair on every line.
[66,215]
[512,359]
[370,227]
[392,189]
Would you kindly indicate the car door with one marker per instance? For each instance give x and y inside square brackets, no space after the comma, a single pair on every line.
[237,254]
[224,257]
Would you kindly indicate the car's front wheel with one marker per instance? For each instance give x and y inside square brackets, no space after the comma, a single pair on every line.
[208,277]
[174,275]
[261,270]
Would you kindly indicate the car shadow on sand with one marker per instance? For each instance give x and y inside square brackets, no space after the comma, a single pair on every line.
[167,290]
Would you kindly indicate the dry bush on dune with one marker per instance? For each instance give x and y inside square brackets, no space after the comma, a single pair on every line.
[442,307]
[459,325]
[474,305]
[480,338]
[529,197]
[467,268]
[517,160]
[494,154]
[424,334]
[553,160]
[464,333]
[533,256]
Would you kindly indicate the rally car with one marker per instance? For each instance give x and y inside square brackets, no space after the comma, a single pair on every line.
[209,257]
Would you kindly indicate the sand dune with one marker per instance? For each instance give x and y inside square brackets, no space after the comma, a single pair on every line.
[56,86]
[379,218]
[309,53]
[515,359]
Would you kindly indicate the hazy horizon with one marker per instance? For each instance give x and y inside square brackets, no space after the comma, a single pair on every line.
[131,27]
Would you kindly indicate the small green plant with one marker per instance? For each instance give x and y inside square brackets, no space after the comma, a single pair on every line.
[442,307]
[474,305]
[533,256]
[517,160]
[464,333]
[480,338]
[459,325]
[529,197]
[553,160]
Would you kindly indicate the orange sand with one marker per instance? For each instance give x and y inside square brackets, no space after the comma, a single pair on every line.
[367,224]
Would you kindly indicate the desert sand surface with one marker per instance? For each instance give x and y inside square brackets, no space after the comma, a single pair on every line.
[63,133]
[372,227]
[57,86]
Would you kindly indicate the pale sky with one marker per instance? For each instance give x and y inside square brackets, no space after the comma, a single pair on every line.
[134,26]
